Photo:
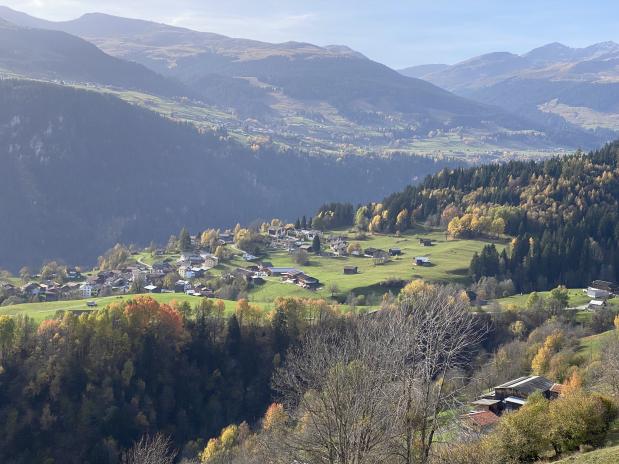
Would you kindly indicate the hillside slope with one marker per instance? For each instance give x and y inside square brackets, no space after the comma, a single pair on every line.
[57,55]
[358,88]
[82,171]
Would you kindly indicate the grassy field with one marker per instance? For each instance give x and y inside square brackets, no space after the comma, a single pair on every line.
[577,298]
[450,262]
[601,456]
[41,311]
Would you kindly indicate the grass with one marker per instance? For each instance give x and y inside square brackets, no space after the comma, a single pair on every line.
[450,261]
[601,456]
[593,344]
[47,310]
[577,297]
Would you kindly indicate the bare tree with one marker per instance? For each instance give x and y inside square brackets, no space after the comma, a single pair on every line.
[610,361]
[372,389]
[150,450]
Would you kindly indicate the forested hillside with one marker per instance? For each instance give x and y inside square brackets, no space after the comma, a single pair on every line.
[561,216]
[82,171]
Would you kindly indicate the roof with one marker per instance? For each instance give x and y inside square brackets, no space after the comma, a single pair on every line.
[596,303]
[513,399]
[528,384]
[424,259]
[281,270]
[485,402]
[482,418]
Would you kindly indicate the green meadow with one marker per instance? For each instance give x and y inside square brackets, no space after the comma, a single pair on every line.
[42,311]
[450,261]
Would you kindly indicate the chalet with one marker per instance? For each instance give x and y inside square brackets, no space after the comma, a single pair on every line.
[209,261]
[371,252]
[73,274]
[190,259]
[395,252]
[307,248]
[249,257]
[88,289]
[308,282]
[8,289]
[422,261]
[31,288]
[381,257]
[291,275]
[181,286]
[162,267]
[425,242]
[349,270]
[152,288]
[513,395]
[278,271]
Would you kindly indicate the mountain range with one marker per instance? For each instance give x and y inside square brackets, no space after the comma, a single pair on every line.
[577,86]
[294,88]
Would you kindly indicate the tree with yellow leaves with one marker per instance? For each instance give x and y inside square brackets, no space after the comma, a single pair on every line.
[401,220]
[541,361]
[416,287]
[275,416]
[217,449]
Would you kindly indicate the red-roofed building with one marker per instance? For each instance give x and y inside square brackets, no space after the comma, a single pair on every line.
[480,421]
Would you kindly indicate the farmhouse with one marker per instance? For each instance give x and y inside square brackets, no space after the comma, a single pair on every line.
[480,421]
[278,271]
[422,261]
[350,270]
[425,242]
[596,304]
[308,282]
[597,293]
[512,395]
[209,260]
[152,288]
[372,252]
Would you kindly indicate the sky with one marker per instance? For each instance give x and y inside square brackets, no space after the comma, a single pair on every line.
[398,33]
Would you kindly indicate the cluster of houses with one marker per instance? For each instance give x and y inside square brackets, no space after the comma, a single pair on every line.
[509,396]
[600,291]
[46,290]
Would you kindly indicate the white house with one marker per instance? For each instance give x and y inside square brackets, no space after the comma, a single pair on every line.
[597,293]
[87,290]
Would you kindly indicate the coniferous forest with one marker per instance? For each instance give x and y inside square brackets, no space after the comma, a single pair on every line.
[561,216]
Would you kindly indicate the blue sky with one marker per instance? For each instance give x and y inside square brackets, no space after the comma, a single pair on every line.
[397,33]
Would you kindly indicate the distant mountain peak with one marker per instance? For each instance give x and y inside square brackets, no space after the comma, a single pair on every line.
[344,50]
